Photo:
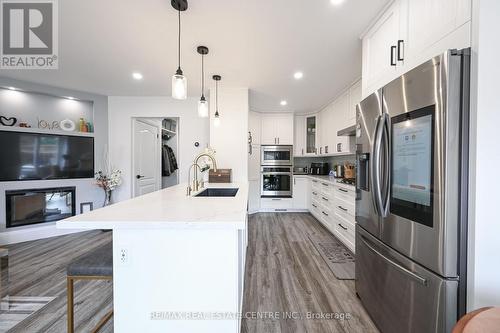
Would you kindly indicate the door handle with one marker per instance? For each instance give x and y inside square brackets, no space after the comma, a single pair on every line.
[139,176]
[393,55]
[374,179]
[399,267]
[385,196]
[401,54]
[278,140]
[302,151]
[326,149]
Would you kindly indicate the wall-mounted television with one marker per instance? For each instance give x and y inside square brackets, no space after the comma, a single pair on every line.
[37,156]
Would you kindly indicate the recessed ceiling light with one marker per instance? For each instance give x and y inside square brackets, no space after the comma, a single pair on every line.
[11,88]
[70,97]
[137,76]
[336,2]
[283,103]
[298,75]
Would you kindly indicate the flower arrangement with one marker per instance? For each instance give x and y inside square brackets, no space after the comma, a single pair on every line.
[108,183]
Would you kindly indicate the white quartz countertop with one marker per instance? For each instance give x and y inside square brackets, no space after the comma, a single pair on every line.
[168,208]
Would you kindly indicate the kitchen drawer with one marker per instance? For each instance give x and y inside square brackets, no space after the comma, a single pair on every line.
[345,208]
[315,185]
[326,200]
[277,204]
[346,233]
[345,194]
[327,189]
[315,195]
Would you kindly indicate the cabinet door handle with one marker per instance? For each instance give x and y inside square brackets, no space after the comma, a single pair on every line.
[326,149]
[324,213]
[340,225]
[278,140]
[302,151]
[344,209]
[401,50]
[393,55]
[342,190]
[320,150]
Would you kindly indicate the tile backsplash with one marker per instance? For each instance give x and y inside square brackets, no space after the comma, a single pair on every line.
[300,162]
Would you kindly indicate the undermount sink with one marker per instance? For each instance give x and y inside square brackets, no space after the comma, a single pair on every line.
[218,192]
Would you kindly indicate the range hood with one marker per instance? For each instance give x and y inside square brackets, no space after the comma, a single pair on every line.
[348,131]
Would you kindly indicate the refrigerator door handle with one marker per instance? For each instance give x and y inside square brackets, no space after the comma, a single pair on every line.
[377,146]
[385,196]
[402,269]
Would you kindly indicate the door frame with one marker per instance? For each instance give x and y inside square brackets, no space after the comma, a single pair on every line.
[135,120]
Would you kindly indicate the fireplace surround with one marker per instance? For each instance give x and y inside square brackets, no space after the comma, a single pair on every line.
[41,205]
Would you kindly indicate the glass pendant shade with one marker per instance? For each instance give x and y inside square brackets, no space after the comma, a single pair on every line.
[203,108]
[217,121]
[179,86]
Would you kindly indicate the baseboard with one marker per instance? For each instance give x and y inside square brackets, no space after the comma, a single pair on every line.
[287,210]
[29,234]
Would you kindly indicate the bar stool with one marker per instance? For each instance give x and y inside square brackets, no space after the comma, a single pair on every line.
[482,320]
[96,265]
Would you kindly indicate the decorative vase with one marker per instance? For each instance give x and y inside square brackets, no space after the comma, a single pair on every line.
[107,198]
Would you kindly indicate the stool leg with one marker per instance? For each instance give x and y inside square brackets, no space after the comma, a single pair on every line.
[70,311]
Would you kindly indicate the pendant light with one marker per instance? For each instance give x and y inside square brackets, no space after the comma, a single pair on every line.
[217,78]
[179,81]
[202,103]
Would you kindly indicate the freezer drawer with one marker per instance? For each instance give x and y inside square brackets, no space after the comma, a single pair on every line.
[400,295]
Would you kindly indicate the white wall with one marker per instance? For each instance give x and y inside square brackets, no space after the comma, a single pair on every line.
[121,111]
[230,138]
[86,190]
[484,224]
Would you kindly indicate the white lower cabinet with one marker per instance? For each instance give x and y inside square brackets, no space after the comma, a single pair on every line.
[253,196]
[334,206]
[301,192]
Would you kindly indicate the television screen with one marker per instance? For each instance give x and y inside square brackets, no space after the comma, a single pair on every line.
[31,156]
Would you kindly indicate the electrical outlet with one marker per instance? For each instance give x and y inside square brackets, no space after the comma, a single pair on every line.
[124,256]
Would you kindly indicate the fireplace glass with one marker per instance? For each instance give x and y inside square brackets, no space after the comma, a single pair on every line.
[25,207]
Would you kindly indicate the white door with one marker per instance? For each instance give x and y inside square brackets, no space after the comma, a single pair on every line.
[146,158]
[268,130]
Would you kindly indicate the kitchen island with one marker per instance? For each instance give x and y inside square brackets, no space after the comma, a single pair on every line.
[178,260]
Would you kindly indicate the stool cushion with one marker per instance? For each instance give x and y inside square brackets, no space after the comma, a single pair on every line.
[99,262]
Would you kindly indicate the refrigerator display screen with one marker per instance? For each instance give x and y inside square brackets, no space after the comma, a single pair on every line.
[412,165]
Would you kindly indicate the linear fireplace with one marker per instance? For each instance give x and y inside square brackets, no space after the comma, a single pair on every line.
[26,207]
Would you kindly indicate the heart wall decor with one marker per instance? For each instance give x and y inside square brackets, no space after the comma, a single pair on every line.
[5,121]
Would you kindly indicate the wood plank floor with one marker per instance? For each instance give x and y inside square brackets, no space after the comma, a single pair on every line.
[284,273]
[38,268]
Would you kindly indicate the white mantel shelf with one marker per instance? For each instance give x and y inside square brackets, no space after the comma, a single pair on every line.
[168,208]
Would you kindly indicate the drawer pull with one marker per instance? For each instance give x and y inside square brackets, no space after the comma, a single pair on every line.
[342,190]
[324,198]
[276,199]
[325,214]
[314,181]
[315,193]
[344,209]
[324,184]
[340,225]
[314,206]
[281,210]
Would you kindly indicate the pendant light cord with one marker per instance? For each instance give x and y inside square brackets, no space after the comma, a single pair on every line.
[217,97]
[179,40]
[202,76]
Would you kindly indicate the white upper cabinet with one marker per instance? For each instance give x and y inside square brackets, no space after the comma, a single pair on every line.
[379,43]
[409,33]
[254,127]
[354,99]
[340,114]
[277,129]
[299,144]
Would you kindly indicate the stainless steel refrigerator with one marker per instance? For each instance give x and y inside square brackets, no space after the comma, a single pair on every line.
[411,205]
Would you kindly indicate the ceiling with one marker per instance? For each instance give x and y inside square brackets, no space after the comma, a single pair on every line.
[257,44]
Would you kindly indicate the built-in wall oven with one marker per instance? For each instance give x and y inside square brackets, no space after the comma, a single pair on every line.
[276,155]
[276,181]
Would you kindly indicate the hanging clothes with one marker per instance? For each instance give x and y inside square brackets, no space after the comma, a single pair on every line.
[168,161]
